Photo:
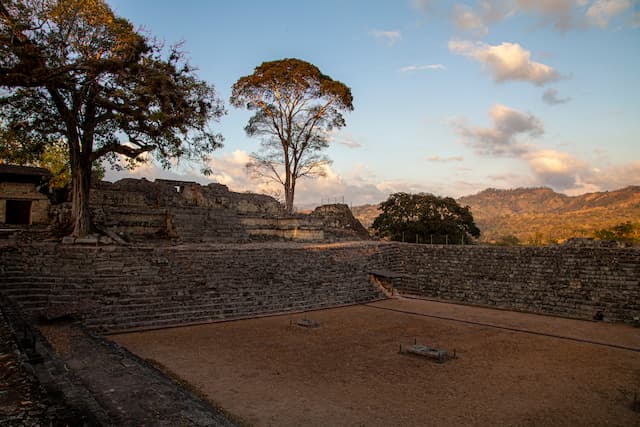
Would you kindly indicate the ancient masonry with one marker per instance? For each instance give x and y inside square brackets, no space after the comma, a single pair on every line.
[116,288]
[137,209]
[20,201]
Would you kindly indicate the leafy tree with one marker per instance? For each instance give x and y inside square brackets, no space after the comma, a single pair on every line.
[71,70]
[55,157]
[416,217]
[295,107]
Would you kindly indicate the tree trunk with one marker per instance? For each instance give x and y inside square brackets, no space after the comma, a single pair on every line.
[81,185]
[288,198]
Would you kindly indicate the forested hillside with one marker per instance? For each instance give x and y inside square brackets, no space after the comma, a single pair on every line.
[540,215]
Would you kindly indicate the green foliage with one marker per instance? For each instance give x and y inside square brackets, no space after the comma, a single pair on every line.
[626,232]
[295,108]
[422,218]
[72,71]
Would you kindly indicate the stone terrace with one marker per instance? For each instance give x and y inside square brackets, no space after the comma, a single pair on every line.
[116,288]
[120,288]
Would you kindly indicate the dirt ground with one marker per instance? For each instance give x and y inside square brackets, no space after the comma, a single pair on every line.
[512,368]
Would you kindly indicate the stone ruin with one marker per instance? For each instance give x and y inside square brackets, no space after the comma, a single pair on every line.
[21,202]
[138,210]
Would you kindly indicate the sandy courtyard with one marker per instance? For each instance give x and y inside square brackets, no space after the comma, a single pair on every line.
[511,369]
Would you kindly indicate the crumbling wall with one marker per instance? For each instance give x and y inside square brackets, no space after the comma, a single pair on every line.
[194,213]
[339,223]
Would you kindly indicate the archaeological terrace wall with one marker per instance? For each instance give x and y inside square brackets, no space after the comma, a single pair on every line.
[139,209]
[119,288]
[572,280]
[115,288]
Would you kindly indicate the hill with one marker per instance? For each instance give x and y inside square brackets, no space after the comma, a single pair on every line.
[540,215]
[365,214]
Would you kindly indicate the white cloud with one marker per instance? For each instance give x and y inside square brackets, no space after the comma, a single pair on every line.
[477,20]
[506,61]
[563,15]
[550,96]
[602,11]
[556,169]
[350,143]
[502,137]
[465,18]
[411,68]
[439,159]
[616,176]
[571,175]
[390,37]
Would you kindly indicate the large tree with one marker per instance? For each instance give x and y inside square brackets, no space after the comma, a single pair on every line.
[71,70]
[296,106]
[423,217]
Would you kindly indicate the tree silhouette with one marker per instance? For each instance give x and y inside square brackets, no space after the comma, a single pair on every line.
[418,217]
[71,70]
[295,107]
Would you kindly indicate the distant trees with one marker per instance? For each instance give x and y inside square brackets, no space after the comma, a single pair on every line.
[507,240]
[295,107]
[626,232]
[72,71]
[421,217]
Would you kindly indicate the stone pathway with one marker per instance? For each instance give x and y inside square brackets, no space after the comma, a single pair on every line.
[130,390]
[23,401]
[60,375]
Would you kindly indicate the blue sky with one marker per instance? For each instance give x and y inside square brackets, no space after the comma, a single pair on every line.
[450,97]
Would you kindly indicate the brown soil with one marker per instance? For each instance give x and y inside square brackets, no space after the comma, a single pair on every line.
[348,371]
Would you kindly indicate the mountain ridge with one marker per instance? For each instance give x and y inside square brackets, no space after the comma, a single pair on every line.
[540,215]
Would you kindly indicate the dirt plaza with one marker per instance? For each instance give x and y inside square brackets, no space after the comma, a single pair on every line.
[510,368]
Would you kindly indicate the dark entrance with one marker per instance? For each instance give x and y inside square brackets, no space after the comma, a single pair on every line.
[18,212]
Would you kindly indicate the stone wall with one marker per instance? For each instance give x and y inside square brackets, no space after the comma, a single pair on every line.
[116,288]
[28,192]
[339,223]
[572,281]
[190,212]
[120,288]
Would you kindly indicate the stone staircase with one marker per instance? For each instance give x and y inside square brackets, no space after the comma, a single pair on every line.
[122,288]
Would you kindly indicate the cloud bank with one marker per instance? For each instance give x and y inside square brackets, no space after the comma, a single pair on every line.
[563,15]
[504,137]
[557,169]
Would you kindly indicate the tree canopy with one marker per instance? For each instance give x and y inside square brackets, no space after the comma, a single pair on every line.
[296,106]
[424,218]
[72,71]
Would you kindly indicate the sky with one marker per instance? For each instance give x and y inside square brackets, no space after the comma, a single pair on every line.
[450,97]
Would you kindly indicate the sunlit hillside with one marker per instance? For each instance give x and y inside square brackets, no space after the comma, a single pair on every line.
[540,215]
